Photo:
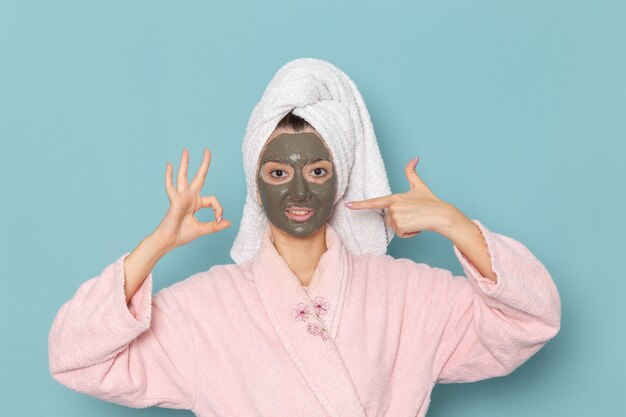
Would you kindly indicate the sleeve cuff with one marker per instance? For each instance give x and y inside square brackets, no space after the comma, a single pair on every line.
[138,312]
[485,284]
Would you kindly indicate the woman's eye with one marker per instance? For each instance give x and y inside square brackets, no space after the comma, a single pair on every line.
[282,173]
[319,172]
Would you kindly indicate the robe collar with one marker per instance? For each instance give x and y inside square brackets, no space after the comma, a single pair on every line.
[307,320]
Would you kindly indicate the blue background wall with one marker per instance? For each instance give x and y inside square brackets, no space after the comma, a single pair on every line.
[516,108]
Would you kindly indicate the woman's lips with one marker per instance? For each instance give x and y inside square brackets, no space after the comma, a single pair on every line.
[299,214]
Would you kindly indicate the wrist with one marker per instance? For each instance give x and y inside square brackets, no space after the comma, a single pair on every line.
[452,220]
[157,245]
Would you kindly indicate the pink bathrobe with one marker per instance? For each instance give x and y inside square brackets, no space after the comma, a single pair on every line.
[369,337]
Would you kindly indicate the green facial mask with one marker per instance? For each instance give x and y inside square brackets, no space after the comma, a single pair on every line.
[302,182]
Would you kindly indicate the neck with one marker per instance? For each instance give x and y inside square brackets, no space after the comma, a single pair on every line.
[302,254]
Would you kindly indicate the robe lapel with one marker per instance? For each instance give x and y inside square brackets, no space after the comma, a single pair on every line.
[307,321]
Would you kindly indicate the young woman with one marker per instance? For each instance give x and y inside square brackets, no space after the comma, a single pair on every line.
[313,318]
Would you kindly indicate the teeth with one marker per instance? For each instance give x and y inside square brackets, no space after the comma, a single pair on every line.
[299,212]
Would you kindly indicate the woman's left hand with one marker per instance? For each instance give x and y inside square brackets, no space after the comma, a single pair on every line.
[411,212]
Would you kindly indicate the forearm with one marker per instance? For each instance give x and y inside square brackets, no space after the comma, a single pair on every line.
[139,263]
[466,235]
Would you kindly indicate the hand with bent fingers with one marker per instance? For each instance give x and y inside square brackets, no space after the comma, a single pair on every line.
[411,212]
[180,226]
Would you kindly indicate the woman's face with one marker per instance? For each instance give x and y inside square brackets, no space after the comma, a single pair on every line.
[296,182]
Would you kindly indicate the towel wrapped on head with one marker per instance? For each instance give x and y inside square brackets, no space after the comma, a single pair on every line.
[327,99]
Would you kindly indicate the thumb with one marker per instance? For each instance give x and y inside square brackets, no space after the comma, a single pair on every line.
[411,174]
[214,226]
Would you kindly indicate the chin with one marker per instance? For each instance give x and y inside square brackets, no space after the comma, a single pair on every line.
[301,234]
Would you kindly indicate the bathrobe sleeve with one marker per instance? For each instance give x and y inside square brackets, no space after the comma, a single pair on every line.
[489,329]
[139,355]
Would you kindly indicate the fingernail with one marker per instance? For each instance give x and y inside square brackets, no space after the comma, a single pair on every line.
[349,204]
[219,219]
[416,160]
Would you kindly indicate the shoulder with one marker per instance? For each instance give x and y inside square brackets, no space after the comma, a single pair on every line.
[402,274]
[219,279]
[398,266]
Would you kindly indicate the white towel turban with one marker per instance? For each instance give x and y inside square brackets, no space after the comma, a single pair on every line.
[330,102]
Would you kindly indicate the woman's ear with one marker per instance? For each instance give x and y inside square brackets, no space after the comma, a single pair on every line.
[258,197]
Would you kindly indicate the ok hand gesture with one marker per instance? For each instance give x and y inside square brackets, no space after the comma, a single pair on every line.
[180,226]
[413,211]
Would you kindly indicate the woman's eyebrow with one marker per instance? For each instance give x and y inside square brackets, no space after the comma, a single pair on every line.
[317,160]
[287,162]
[278,160]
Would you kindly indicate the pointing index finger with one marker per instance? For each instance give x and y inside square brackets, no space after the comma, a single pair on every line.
[376,202]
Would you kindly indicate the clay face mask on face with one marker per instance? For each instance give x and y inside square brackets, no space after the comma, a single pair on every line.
[297,183]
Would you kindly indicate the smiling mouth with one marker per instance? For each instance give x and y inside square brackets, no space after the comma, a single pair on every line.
[299,214]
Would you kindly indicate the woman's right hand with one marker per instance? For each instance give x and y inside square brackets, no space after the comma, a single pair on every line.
[180,226]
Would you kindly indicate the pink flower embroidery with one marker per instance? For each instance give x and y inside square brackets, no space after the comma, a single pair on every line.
[321,307]
[301,312]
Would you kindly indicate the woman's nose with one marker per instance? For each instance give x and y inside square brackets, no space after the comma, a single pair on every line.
[300,188]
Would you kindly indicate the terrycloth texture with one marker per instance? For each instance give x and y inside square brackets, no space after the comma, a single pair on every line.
[370,337]
[329,100]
